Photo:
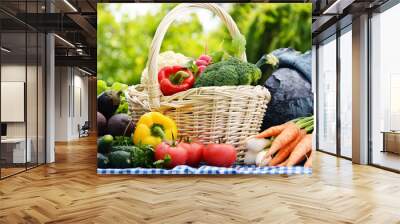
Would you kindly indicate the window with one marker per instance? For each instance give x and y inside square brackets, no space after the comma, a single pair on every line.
[327,96]
[346,93]
[385,89]
[22,76]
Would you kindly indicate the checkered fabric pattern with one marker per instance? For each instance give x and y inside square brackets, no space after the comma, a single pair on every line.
[211,170]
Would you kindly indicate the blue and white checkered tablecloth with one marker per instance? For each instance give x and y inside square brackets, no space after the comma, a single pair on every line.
[211,170]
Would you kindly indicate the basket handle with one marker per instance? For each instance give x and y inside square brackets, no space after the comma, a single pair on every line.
[152,87]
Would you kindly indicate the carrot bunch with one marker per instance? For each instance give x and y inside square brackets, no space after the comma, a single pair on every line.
[291,143]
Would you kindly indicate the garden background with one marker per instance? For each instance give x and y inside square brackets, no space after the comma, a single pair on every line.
[125,32]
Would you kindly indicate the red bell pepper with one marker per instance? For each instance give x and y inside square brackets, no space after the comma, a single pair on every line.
[174,79]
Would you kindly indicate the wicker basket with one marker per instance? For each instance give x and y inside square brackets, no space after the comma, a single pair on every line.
[230,113]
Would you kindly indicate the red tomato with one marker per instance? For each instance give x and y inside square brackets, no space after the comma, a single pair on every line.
[194,151]
[177,153]
[222,155]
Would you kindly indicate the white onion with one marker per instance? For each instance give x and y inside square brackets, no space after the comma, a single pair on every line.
[250,158]
[261,160]
[257,144]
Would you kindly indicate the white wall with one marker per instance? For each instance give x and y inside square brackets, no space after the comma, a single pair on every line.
[61,103]
[71,94]
[10,73]
[34,125]
[16,73]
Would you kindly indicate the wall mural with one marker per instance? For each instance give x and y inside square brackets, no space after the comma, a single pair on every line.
[202,88]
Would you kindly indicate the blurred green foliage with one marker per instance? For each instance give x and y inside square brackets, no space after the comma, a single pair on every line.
[122,46]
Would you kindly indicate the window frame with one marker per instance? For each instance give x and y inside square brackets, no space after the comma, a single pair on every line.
[347,27]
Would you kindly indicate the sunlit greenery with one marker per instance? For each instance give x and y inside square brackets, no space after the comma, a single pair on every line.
[123,45]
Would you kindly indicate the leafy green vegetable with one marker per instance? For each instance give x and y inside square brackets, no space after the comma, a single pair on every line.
[230,72]
[238,46]
[217,56]
[122,141]
[119,87]
[101,86]
[123,106]
[191,65]
[235,49]
[140,156]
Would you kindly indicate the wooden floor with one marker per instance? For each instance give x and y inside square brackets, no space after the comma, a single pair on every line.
[11,170]
[70,191]
[8,171]
[387,159]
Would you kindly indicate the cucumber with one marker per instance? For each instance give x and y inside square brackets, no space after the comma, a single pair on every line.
[104,144]
[102,161]
[120,159]
[125,148]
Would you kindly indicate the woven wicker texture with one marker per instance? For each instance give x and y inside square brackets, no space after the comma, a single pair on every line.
[209,114]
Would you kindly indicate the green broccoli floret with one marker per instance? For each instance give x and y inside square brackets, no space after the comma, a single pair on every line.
[249,73]
[207,77]
[229,73]
[228,76]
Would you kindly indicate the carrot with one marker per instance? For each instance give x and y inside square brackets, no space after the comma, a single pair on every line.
[284,153]
[283,163]
[300,150]
[309,161]
[288,134]
[272,131]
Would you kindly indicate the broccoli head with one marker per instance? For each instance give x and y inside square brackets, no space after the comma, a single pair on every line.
[227,76]
[228,73]
[250,73]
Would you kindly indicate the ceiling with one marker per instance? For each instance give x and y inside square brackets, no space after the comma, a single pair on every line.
[74,22]
[328,15]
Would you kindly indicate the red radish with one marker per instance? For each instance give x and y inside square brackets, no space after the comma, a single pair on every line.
[201,62]
[201,69]
[177,153]
[206,58]
[194,151]
[222,155]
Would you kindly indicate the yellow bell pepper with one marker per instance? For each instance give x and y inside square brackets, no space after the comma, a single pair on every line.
[154,127]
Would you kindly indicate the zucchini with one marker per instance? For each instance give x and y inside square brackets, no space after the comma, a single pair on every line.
[120,159]
[102,161]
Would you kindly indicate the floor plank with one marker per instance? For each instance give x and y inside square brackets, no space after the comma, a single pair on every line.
[69,191]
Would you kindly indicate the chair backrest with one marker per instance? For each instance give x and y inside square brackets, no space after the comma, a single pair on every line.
[86,125]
